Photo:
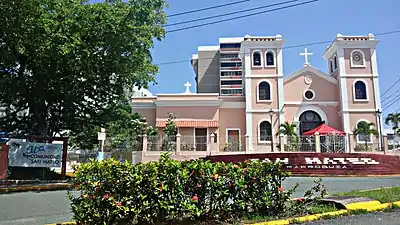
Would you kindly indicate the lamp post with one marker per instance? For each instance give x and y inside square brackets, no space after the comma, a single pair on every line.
[271,112]
[380,142]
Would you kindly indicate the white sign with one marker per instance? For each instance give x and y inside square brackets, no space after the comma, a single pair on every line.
[101,136]
[30,154]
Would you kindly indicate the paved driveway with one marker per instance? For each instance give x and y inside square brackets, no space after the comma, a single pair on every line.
[49,207]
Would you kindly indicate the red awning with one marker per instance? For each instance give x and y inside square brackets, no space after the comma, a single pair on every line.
[324,129]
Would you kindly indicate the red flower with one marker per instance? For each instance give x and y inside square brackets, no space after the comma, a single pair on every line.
[198,185]
[119,204]
[235,166]
[300,200]
[245,169]
[106,196]
[92,197]
[195,198]
[254,178]
[98,189]
[281,189]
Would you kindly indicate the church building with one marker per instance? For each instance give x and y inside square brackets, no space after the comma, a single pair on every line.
[242,93]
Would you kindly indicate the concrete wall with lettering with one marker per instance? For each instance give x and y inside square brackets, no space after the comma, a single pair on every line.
[325,163]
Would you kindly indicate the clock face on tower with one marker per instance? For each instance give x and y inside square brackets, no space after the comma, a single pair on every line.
[308,80]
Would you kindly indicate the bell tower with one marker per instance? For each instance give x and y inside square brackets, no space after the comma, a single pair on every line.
[352,61]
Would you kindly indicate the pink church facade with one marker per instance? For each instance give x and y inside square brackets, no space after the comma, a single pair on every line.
[251,97]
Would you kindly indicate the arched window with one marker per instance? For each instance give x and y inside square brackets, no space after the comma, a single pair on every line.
[269,59]
[265,131]
[360,90]
[357,59]
[264,91]
[256,58]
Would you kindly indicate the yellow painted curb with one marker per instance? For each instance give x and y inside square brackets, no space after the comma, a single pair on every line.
[35,188]
[370,206]
[362,205]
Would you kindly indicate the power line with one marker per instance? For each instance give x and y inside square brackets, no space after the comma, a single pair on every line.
[244,16]
[389,98]
[231,13]
[390,87]
[395,101]
[208,8]
[284,47]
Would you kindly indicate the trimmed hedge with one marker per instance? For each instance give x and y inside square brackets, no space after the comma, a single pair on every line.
[170,192]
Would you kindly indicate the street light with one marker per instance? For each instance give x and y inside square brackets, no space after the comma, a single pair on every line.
[380,142]
[271,112]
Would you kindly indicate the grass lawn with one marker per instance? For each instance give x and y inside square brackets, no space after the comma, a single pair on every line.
[383,195]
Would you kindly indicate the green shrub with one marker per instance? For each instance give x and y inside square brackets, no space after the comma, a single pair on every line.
[170,191]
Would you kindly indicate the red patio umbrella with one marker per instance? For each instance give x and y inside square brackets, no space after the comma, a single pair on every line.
[324,129]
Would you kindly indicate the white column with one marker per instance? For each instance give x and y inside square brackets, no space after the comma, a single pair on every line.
[344,93]
[377,93]
[248,93]
[281,96]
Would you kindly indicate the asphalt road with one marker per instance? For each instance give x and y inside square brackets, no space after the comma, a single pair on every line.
[381,218]
[50,207]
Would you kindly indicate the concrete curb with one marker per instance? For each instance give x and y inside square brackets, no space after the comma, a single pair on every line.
[370,206]
[47,187]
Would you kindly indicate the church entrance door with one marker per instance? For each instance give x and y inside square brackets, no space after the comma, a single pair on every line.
[309,120]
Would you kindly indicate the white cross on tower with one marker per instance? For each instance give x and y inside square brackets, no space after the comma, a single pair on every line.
[187,85]
[306,54]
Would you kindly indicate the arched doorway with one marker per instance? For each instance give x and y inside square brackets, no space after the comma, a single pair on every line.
[309,120]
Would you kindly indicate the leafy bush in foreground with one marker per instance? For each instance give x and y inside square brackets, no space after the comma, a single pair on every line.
[170,191]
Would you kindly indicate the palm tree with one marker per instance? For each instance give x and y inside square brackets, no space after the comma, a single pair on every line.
[366,129]
[290,131]
[287,129]
[394,120]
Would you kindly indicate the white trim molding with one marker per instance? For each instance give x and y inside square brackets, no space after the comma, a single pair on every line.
[316,109]
[366,91]
[344,93]
[281,88]
[321,103]
[371,136]
[310,69]
[258,91]
[360,110]
[216,102]
[359,75]
[262,111]
[252,58]
[273,56]
[309,99]
[362,57]
[248,96]
[259,131]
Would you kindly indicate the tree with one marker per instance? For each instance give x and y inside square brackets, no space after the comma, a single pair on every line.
[65,64]
[293,141]
[124,130]
[170,131]
[287,129]
[365,129]
[394,120]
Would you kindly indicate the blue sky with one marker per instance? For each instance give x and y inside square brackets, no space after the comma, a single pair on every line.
[319,21]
